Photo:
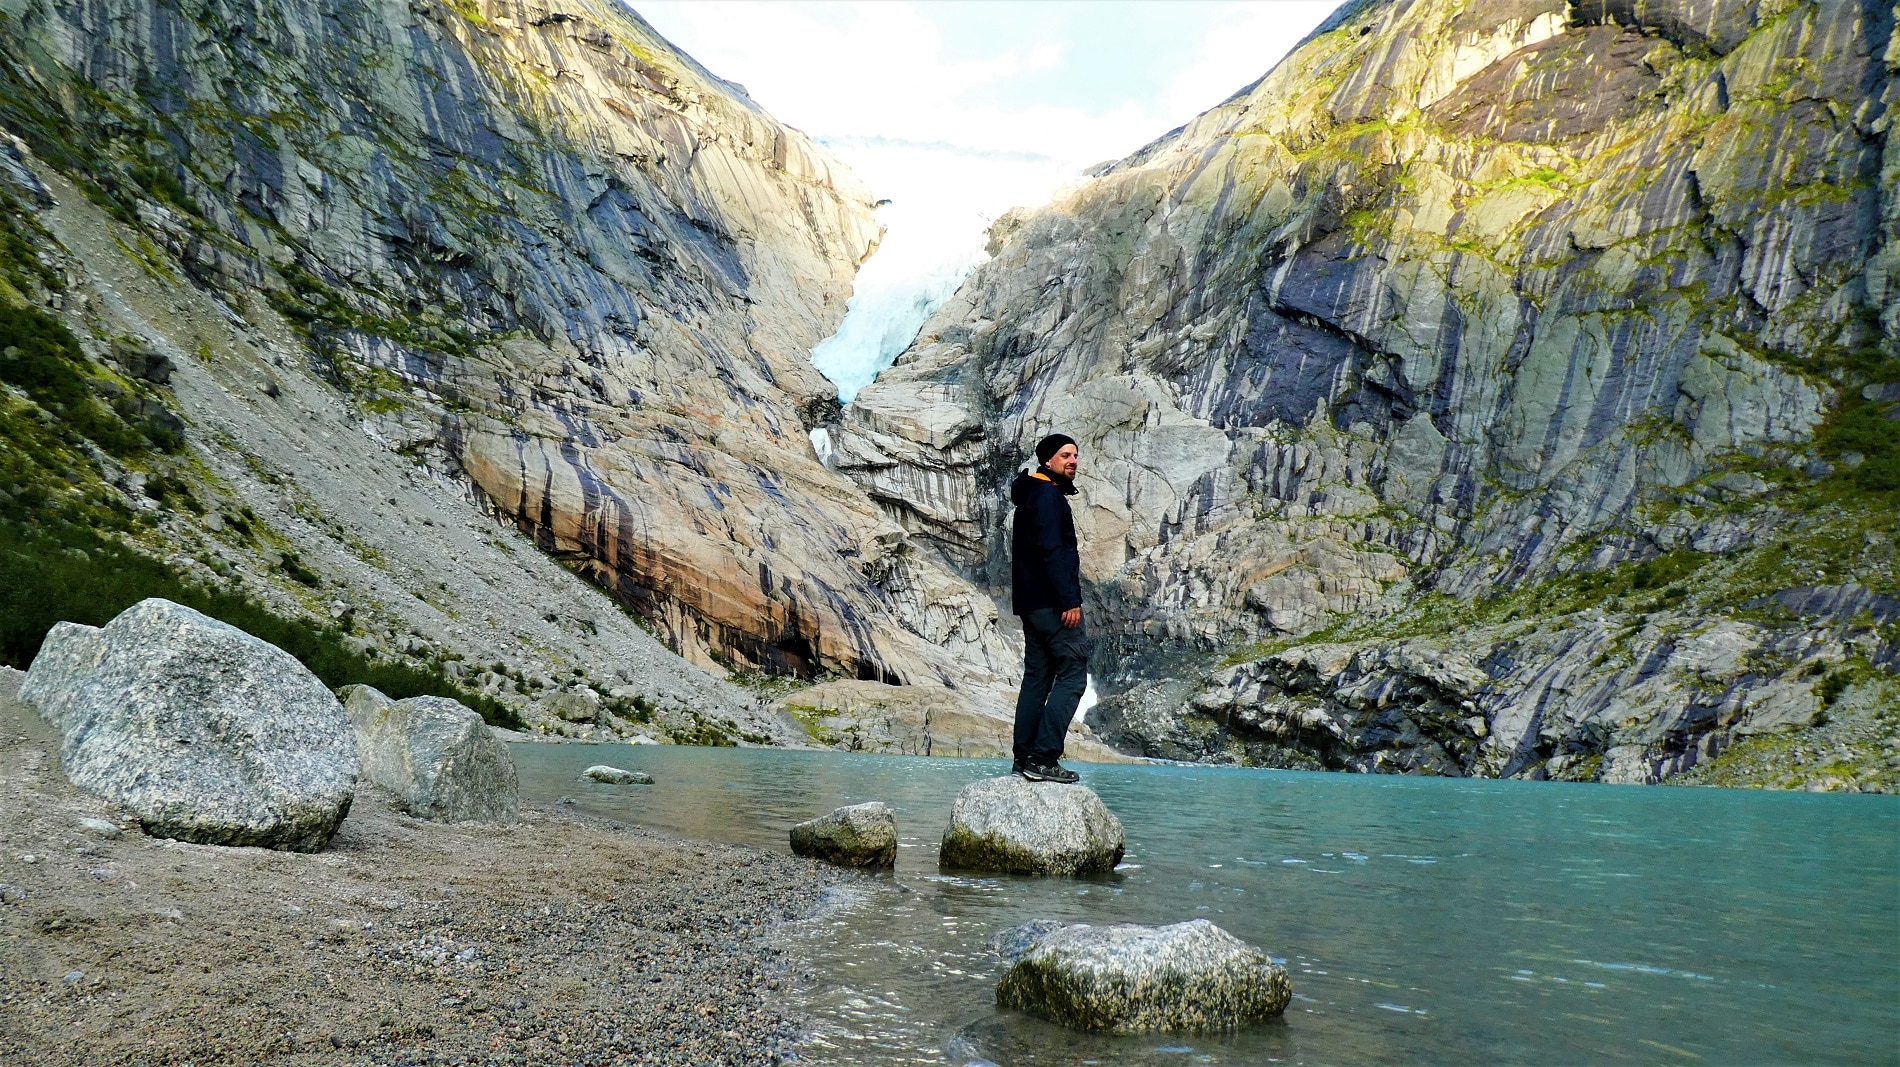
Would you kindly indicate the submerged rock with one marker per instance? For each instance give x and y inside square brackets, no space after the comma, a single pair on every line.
[1133,979]
[435,754]
[1020,827]
[860,835]
[600,772]
[203,732]
[1013,944]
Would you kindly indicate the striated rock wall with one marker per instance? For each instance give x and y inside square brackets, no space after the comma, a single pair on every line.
[541,253]
[1458,300]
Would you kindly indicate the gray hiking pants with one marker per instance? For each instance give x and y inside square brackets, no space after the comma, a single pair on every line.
[1055,672]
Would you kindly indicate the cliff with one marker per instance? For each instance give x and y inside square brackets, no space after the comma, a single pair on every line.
[1495,388]
[376,261]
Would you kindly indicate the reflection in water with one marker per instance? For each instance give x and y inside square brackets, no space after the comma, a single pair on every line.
[1425,920]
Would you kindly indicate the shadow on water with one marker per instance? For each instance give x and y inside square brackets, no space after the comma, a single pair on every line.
[1423,920]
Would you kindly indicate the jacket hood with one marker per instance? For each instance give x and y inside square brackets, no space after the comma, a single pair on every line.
[1019,488]
[1027,481]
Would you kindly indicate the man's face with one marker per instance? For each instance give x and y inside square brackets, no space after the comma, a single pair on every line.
[1063,462]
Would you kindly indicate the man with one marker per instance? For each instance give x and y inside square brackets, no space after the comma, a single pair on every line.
[1046,591]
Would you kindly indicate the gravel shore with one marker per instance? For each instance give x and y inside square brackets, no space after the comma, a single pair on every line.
[554,941]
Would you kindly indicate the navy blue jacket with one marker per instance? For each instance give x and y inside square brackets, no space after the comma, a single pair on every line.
[1045,568]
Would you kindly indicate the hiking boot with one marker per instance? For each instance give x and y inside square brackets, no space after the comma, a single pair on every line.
[1020,768]
[1054,772]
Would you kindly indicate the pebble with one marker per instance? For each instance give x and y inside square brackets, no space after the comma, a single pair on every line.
[74,977]
[107,830]
[11,894]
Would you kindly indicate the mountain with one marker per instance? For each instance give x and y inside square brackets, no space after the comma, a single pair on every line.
[1501,389]
[317,285]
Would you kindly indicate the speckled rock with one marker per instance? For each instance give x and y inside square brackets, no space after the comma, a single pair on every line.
[602,773]
[1020,827]
[199,730]
[435,754]
[1132,979]
[858,835]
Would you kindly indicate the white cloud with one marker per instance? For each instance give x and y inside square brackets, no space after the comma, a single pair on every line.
[864,69]
[1244,41]
[859,69]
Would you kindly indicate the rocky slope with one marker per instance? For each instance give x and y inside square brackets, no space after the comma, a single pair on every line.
[390,259]
[1498,388]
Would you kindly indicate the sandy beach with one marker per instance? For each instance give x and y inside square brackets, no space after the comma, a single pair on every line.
[554,941]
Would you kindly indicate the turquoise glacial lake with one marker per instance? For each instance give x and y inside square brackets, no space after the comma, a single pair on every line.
[1422,920]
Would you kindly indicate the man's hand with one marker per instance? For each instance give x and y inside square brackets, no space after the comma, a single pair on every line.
[1072,618]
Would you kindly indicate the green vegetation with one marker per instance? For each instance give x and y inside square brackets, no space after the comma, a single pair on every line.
[1828,531]
[772,686]
[114,154]
[20,269]
[313,306]
[812,719]
[703,731]
[66,572]
[1655,584]
[40,356]
[293,565]
[1855,425]
[68,541]
[470,10]
[1849,748]
[1859,427]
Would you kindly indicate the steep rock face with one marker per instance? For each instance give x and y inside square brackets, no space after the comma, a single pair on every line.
[1459,298]
[545,254]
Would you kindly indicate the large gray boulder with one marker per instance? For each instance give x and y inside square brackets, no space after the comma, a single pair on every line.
[860,835]
[435,754]
[1021,827]
[203,732]
[1132,979]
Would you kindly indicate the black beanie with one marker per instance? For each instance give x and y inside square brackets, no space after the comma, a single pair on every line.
[1050,445]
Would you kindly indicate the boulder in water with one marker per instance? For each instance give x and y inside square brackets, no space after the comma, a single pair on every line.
[203,732]
[1132,979]
[435,754]
[1021,827]
[600,772]
[861,835]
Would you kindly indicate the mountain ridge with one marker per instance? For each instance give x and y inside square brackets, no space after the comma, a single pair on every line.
[526,255]
[1459,306]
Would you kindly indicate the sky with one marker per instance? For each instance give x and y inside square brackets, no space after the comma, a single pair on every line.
[957,110]
[1073,81]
